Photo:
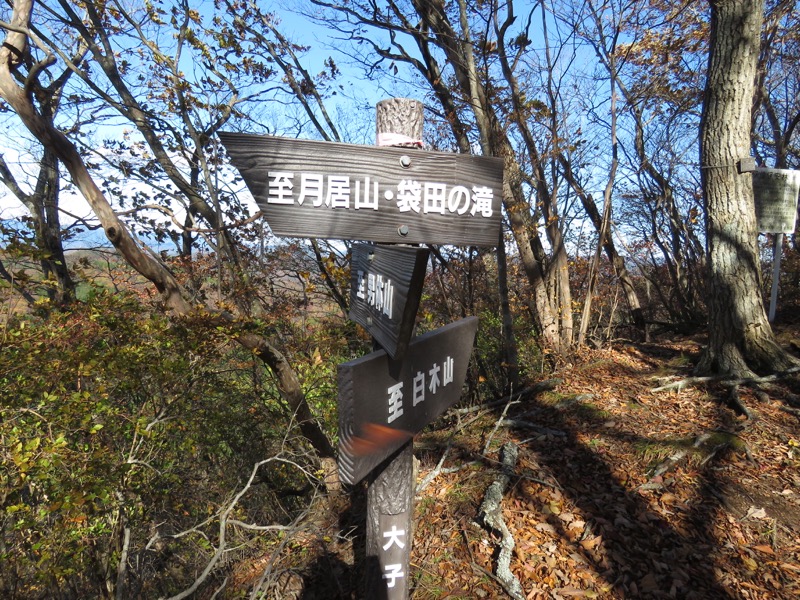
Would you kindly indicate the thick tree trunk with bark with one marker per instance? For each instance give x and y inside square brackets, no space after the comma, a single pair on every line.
[740,337]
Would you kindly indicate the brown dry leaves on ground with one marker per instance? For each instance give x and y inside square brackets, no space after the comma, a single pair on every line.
[619,492]
[589,516]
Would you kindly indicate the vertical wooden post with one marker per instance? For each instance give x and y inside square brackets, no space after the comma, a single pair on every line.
[390,490]
[390,494]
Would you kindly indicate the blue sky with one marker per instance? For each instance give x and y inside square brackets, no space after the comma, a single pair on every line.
[14,146]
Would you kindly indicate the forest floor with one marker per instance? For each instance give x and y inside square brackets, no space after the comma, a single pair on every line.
[619,491]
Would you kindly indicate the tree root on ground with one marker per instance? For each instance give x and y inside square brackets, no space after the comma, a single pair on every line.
[491,517]
[684,383]
[791,411]
[733,399]
[725,380]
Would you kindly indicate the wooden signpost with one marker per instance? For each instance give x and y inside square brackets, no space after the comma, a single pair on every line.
[385,289]
[390,195]
[393,195]
[382,403]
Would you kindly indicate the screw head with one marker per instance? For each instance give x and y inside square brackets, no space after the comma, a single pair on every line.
[403,230]
[405,161]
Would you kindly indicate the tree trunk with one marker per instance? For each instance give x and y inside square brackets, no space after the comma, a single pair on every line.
[510,352]
[603,232]
[524,232]
[44,209]
[495,142]
[42,205]
[594,267]
[620,268]
[740,337]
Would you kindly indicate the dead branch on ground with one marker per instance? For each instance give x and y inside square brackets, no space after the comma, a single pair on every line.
[491,517]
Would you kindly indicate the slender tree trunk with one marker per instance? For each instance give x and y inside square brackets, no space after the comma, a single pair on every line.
[683,245]
[42,205]
[594,267]
[48,231]
[620,268]
[510,353]
[604,41]
[494,142]
[518,211]
[740,337]
[603,233]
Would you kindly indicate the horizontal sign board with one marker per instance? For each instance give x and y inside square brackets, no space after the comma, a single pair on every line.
[383,403]
[775,193]
[386,286]
[346,191]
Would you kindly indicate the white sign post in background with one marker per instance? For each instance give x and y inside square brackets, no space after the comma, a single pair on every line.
[775,194]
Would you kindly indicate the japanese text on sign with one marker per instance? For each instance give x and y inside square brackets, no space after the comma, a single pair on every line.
[392,572]
[439,376]
[376,290]
[339,192]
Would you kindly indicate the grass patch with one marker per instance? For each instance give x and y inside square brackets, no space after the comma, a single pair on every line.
[560,401]
[655,451]
[680,362]
[590,412]
[595,443]
[695,450]
[595,365]
[675,365]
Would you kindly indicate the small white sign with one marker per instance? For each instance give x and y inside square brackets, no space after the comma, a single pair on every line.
[775,193]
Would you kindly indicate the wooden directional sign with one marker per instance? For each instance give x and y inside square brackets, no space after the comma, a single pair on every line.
[382,403]
[394,195]
[386,286]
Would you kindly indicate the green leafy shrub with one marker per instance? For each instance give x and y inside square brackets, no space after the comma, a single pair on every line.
[120,430]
